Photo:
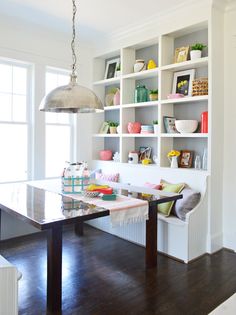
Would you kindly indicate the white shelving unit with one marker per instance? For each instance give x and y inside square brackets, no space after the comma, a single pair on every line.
[161,50]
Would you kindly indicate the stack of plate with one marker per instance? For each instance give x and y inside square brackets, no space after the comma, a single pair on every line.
[147,129]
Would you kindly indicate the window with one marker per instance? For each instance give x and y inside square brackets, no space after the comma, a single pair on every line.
[59,129]
[14,121]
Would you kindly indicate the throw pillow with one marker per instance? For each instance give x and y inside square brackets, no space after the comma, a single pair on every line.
[189,201]
[107,177]
[166,207]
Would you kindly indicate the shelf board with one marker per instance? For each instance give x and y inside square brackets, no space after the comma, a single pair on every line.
[113,107]
[184,135]
[106,135]
[143,104]
[142,74]
[139,135]
[107,81]
[198,63]
[185,99]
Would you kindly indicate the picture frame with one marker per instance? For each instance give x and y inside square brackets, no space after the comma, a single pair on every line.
[169,124]
[186,158]
[181,54]
[144,153]
[111,66]
[104,128]
[183,81]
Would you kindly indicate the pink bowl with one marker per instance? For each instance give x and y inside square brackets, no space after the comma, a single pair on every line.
[105,155]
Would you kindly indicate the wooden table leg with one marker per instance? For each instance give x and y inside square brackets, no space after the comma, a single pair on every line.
[79,228]
[151,237]
[54,270]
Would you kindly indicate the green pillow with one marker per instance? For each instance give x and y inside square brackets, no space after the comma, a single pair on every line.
[166,207]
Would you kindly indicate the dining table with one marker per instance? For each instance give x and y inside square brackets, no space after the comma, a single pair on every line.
[45,208]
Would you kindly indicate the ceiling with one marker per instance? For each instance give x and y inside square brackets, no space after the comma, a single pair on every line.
[95,17]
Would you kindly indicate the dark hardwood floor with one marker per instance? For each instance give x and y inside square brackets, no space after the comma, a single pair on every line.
[104,275]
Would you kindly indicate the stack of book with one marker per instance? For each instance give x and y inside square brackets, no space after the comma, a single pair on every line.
[147,129]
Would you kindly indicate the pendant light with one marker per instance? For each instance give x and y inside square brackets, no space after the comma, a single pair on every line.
[71,98]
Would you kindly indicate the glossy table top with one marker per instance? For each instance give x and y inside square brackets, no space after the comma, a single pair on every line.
[44,209]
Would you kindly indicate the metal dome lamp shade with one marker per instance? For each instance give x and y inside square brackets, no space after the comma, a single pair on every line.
[71,98]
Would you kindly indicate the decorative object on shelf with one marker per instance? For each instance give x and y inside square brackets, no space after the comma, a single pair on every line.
[186,158]
[173,158]
[196,51]
[116,157]
[197,162]
[144,153]
[186,126]
[204,122]
[175,95]
[118,129]
[71,98]
[112,126]
[155,159]
[182,82]
[111,66]
[105,155]
[118,70]
[181,54]
[151,64]
[116,98]
[140,94]
[133,157]
[104,127]
[153,95]
[200,86]
[147,129]
[204,159]
[146,161]
[110,96]
[155,126]
[139,65]
[169,124]
[134,127]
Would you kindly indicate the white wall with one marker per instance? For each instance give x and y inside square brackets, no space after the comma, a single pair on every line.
[229,149]
[42,48]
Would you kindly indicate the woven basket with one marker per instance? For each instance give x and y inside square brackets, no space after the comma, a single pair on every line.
[200,87]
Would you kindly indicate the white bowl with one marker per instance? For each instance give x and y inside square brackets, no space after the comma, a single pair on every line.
[186,126]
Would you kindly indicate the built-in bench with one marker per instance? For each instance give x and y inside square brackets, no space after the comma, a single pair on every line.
[184,240]
[9,276]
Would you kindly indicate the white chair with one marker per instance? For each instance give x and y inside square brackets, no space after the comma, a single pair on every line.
[9,276]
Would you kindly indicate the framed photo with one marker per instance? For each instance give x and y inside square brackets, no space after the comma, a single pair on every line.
[144,153]
[169,124]
[182,82]
[111,66]
[181,54]
[186,158]
[104,128]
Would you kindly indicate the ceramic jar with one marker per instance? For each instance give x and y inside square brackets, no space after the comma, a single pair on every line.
[141,94]
[139,65]
[134,127]
[105,155]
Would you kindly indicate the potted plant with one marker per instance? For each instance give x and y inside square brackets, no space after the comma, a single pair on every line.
[173,158]
[118,70]
[196,51]
[113,126]
[153,95]
[155,126]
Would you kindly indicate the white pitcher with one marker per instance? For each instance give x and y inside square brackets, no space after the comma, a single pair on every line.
[173,161]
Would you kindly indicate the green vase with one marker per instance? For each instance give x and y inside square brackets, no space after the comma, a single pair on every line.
[140,94]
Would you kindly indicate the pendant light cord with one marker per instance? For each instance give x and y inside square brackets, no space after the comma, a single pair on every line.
[74,59]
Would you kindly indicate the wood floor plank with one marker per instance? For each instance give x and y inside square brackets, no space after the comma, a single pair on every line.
[105,275]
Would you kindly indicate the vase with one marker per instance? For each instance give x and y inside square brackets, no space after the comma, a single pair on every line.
[116,98]
[140,94]
[173,162]
[139,65]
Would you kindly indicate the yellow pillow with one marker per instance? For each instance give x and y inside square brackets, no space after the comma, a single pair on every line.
[166,207]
